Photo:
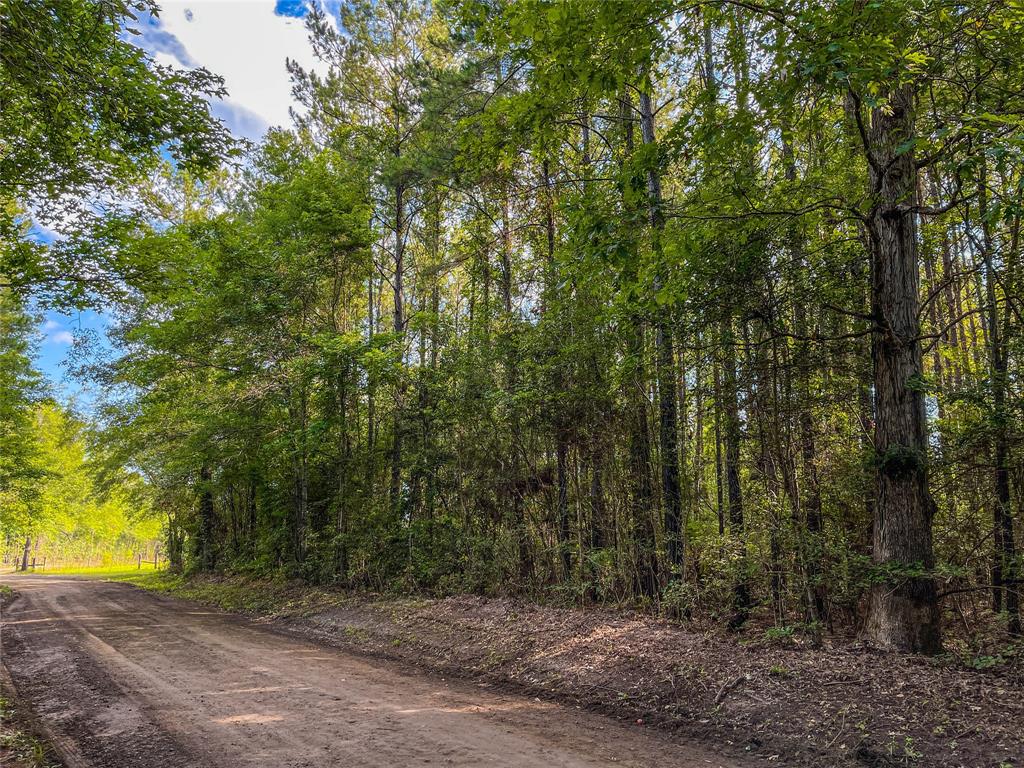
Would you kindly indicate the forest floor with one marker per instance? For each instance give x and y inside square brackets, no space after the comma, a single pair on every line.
[768,698]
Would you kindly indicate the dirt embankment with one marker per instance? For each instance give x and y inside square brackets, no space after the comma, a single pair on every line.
[791,705]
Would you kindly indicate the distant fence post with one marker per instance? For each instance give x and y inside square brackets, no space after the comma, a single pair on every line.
[140,561]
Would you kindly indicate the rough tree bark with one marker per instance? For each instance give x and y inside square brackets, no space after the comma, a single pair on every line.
[25,553]
[903,613]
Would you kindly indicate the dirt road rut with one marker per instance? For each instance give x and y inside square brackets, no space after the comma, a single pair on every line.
[124,678]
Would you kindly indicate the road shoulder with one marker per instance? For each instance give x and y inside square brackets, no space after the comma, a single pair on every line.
[25,741]
[778,702]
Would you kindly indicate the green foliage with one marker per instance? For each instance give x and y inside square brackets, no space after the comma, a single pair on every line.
[429,339]
[21,463]
[84,113]
[69,516]
[901,461]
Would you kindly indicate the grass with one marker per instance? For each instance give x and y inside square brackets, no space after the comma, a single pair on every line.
[101,570]
[241,594]
[157,581]
[232,593]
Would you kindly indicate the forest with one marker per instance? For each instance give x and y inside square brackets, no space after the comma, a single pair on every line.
[710,309]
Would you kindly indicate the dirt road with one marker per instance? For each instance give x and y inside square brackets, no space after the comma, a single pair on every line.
[128,679]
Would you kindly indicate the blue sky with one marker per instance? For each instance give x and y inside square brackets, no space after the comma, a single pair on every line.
[244,41]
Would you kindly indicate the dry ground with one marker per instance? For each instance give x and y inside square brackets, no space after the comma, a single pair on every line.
[123,677]
[782,702]
[748,702]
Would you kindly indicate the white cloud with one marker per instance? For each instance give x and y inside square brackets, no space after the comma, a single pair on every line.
[61,337]
[51,325]
[246,43]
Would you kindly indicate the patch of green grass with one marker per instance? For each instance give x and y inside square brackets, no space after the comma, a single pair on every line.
[232,593]
[354,633]
[154,580]
[238,593]
[100,570]
[779,635]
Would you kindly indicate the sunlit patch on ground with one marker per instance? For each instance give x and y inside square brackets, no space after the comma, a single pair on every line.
[249,719]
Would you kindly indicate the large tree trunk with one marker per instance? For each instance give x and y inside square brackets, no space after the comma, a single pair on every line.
[904,612]
[25,553]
